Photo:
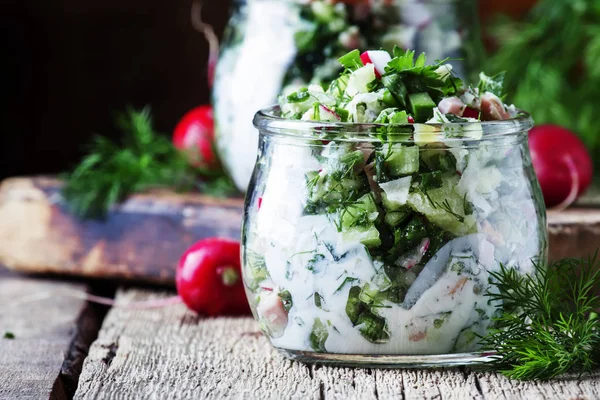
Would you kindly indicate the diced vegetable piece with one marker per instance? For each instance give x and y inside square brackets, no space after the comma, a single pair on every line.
[395,193]
[273,316]
[286,300]
[358,308]
[395,218]
[443,206]
[402,160]
[421,106]
[373,328]
[351,60]
[369,235]
[379,58]
[318,336]
[397,88]
[360,80]
[354,307]
[255,271]
[425,134]
[363,212]
[438,159]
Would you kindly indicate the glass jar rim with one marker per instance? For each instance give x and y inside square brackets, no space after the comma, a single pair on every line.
[270,121]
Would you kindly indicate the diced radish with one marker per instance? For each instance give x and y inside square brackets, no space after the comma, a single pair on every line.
[330,115]
[470,113]
[416,256]
[492,108]
[411,120]
[452,105]
[272,314]
[379,59]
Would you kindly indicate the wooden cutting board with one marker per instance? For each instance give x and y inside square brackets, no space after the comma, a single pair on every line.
[143,238]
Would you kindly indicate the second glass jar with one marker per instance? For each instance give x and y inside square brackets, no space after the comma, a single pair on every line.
[271,45]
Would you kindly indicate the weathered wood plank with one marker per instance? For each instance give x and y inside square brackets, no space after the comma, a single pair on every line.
[51,338]
[172,354]
[142,239]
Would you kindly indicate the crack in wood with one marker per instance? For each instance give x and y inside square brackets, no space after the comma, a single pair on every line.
[86,331]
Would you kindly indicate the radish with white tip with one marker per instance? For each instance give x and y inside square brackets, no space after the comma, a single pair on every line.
[379,59]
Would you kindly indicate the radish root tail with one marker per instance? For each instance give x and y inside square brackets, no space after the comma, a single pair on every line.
[78,294]
[568,160]
[210,36]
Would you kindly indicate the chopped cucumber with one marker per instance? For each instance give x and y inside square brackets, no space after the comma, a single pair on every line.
[425,134]
[363,212]
[444,207]
[421,106]
[394,84]
[360,80]
[368,235]
[436,159]
[395,218]
[395,193]
[401,160]
[318,336]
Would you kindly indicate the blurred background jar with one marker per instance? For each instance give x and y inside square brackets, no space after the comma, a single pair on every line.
[272,46]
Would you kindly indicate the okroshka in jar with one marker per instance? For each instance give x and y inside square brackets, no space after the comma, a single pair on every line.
[275,46]
[372,244]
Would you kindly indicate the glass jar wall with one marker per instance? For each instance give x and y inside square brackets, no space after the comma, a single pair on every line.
[274,45]
[370,244]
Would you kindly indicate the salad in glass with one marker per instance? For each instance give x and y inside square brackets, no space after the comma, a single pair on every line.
[275,44]
[379,205]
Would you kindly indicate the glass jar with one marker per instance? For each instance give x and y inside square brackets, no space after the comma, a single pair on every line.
[368,244]
[270,45]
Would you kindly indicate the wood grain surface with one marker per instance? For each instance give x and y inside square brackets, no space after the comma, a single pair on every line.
[172,354]
[143,238]
[51,338]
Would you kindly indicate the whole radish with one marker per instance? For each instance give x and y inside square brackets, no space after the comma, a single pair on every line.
[195,135]
[209,279]
[561,162]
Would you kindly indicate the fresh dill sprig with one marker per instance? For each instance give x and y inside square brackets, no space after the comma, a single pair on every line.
[549,325]
[144,159]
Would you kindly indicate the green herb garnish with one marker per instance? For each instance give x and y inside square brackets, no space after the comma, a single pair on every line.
[142,160]
[9,335]
[549,325]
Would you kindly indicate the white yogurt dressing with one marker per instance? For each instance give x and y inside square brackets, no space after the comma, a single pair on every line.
[444,308]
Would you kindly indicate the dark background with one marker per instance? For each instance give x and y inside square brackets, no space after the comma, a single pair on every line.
[68,66]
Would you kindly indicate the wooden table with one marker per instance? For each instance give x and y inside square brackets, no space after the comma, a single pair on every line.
[170,353]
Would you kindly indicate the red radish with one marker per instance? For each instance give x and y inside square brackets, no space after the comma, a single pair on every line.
[410,120]
[195,134]
[379,59]
[209,278]
[561,162]
[470,113]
